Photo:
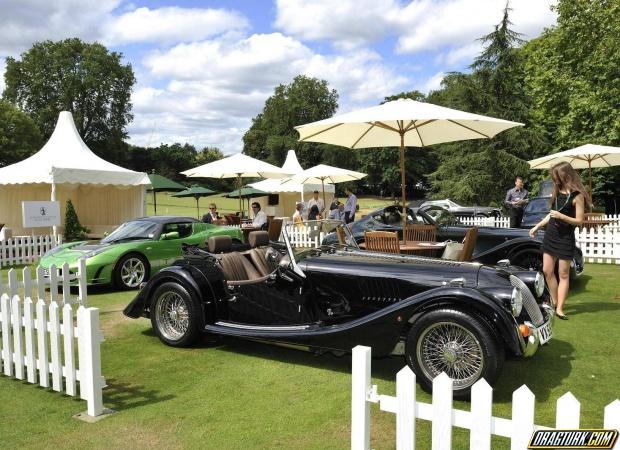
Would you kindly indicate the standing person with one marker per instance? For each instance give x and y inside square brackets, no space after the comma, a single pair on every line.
[212,216]
[315,200]
[297,218]
[516,198]
[350,206]
[260,218]
[567,205]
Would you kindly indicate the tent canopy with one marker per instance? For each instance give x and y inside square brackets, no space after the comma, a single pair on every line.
[65,158]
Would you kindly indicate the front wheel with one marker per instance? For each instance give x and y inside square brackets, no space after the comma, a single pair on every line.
[175,315]
[459,344]
[528,259]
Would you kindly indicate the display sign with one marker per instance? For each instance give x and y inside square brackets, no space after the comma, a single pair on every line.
[40,214]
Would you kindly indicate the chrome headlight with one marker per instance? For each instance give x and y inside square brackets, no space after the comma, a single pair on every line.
[516,302]
[94,252]
[539,284]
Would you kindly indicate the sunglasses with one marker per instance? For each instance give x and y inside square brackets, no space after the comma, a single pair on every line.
[211,207]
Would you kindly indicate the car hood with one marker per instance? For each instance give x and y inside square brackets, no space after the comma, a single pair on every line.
[422,271]
[76,250]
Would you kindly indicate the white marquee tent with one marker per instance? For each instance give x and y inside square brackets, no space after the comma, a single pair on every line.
[289,193]
[104,195]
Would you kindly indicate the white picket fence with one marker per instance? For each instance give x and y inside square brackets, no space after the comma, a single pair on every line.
[600,245]
[497,222]
[26,249]
[53,278]
[35,344]
[305,235]
[478,420]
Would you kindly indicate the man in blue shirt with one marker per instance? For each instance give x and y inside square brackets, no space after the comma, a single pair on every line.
[350,206]
[516,199]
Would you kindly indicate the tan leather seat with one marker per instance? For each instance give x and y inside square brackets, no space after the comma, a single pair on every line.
[258,241]
[235,266]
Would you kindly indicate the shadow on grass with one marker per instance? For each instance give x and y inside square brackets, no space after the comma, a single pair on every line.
[579,285]
[591,307]
[541,373]
[120,396]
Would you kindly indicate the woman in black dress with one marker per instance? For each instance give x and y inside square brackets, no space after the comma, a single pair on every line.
[567,206]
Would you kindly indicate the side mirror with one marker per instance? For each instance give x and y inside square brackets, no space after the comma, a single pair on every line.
[169,236]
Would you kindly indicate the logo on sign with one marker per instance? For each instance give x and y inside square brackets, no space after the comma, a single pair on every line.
[42,210]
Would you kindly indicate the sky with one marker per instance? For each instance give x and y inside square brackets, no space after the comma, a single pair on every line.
[205,68]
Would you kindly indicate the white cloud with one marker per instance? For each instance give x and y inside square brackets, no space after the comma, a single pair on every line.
[24,22]
[419,25]
[217,86]
[433,83]
[170,25]
[459,55]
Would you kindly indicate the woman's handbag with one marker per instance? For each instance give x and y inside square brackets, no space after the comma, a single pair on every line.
[452,250]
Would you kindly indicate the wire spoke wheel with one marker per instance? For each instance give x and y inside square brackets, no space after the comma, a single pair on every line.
[133,272]
[172,315]
[451,348]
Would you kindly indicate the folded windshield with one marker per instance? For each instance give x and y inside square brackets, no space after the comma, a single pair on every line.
[133,230]
[309,234]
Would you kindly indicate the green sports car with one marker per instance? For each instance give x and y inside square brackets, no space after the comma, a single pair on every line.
[136,250]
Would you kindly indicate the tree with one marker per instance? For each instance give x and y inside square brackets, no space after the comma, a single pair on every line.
[273,133]
[471,171]
[19,135]
[74,231]
[573,79]
[85,79]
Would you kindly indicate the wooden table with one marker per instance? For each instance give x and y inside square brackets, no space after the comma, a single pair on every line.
[429,248]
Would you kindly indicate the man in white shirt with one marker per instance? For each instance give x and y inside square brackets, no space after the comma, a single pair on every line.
[315,200]
[338,213]
[350,206]
[260,218]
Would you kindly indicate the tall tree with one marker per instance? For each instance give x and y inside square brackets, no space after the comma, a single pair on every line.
[19,135]
[273,130]
[573,77]
[85,79]
[471,171]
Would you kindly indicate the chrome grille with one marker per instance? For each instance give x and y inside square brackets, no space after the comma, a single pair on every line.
[529,302]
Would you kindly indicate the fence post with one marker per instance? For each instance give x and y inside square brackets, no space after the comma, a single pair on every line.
[81,275]
[442,412]
[7,341]
[360,408]
[90,359]
[18,344]
[405,415]
[31,361]
[481,412]
[522,418]
[44,371]
[567,412]
[67,330]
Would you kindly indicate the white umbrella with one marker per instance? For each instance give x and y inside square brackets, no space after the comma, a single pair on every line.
[583,157]
[402,123]
[237,166]
[323,173]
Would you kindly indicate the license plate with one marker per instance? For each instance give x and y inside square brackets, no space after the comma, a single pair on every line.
[545,333]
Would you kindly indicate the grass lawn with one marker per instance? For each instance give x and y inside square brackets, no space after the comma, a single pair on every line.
[231,394]
[167,205]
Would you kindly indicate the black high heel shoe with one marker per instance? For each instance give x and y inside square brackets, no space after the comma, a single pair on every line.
[561,316]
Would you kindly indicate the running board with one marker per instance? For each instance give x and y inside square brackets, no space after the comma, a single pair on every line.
[240,326]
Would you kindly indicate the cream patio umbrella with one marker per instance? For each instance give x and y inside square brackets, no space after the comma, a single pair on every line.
[237,166]
[324,173]
[583,157]
[402,123]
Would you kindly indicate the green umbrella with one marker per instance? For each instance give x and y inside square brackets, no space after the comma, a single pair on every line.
[246,192]
[160,183]
[196,192]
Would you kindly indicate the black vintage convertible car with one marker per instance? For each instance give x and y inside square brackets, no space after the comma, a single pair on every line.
[442,316]
[492,245]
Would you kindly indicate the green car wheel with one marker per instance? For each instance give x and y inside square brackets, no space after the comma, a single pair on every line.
[130,271]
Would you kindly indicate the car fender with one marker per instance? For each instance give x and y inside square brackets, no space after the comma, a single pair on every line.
[508,248]
[140,305]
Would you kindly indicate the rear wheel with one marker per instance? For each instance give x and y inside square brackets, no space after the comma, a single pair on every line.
[175,315]
[459,344]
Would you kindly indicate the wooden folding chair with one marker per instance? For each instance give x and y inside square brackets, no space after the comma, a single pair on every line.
[416,232]
[382,241]
[469,243]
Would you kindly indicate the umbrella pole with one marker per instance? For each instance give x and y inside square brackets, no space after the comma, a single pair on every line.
[239,192]
[590,170]
[155,201]
[197,208]
[324,204]
[402,179]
